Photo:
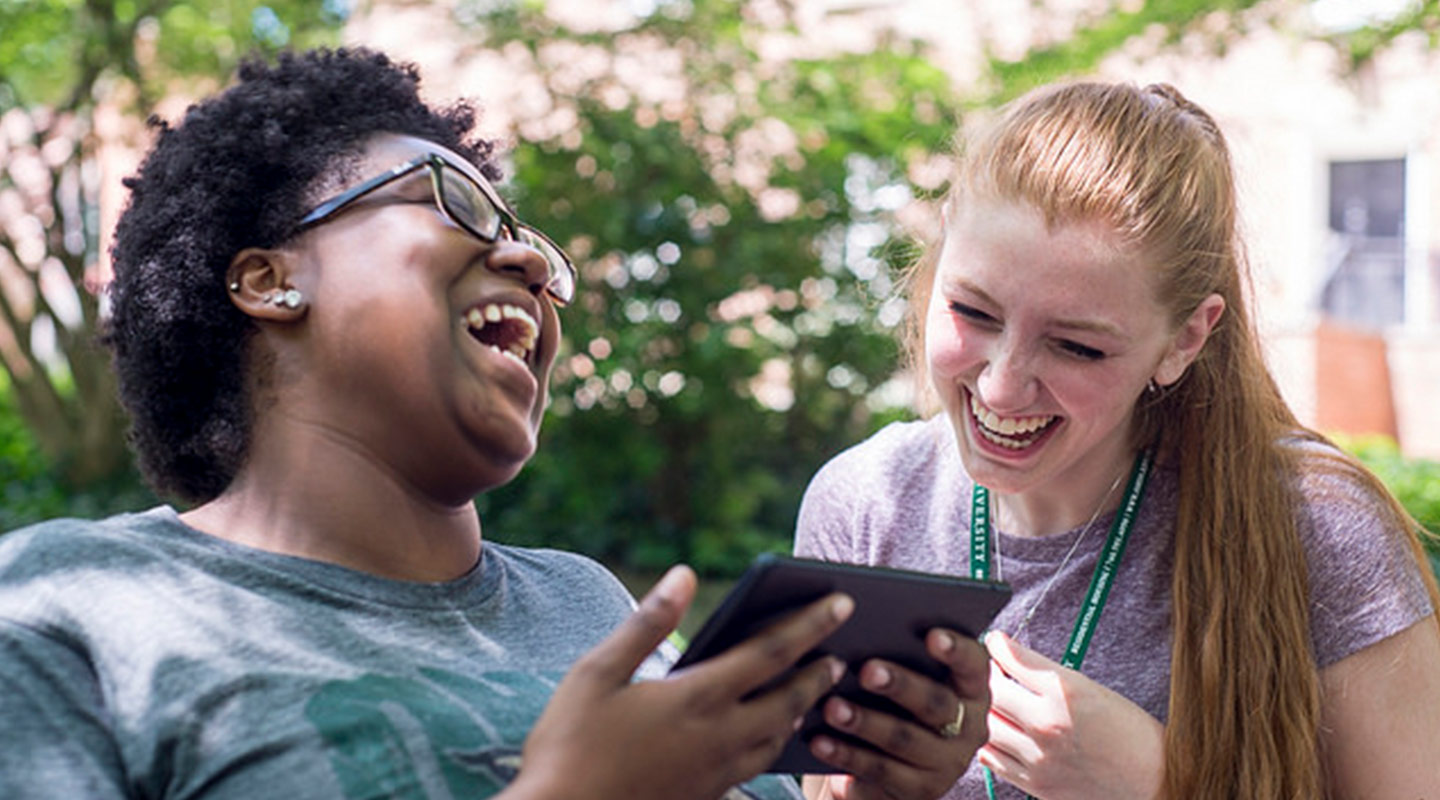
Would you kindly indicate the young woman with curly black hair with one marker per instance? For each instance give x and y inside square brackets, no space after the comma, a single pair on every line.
[331,334]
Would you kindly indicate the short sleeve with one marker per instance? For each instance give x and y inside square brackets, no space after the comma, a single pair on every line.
[1366,582]
[55,740]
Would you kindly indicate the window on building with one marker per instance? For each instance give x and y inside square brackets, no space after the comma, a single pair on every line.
[1364,282]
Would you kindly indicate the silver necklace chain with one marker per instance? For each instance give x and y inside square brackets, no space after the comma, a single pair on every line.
[999,570]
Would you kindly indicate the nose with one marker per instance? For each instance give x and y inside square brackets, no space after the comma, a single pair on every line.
[1008,381]
[521,262]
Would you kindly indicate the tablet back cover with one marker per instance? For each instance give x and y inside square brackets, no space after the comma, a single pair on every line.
[894,609]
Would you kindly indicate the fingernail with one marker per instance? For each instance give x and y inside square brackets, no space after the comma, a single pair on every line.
[842,713]
[947,642]
[672,580]
[823,746]
[999,642]
[842,607]
[837,670]
[880,678]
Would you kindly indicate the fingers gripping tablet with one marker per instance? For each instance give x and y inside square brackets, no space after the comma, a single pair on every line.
[894,609]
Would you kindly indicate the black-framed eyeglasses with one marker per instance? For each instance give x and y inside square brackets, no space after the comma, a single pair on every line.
[473,205]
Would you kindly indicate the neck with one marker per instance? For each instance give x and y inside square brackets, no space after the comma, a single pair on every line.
[1064,505]
[317,496]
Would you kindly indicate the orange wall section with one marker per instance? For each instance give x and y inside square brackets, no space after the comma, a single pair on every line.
[1352,381]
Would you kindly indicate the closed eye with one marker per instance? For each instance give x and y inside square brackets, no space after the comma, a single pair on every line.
[1081,351]
[971,313]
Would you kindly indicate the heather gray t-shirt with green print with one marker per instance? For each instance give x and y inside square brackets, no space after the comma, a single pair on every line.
[142,659]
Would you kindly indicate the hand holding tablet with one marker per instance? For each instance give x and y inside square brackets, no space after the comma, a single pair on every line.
[894,609]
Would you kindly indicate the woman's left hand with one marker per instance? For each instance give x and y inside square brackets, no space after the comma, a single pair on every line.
[1060,736]
[909,759]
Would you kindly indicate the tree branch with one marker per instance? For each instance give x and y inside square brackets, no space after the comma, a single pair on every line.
[39,400]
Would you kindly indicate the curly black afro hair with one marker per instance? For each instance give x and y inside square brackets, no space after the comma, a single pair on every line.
[238,172]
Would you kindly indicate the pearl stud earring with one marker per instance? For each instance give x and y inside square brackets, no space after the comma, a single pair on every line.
[290,298]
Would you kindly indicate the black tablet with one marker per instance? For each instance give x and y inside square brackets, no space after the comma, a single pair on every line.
[894,609]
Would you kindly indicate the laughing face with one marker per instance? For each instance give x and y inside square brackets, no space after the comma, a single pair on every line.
[1039,342]
[426,347]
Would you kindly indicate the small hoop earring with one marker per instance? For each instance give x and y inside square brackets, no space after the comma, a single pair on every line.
[1152,388]
[235,287]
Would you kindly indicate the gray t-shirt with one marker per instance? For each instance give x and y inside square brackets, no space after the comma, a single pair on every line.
[140,658]
[902,499]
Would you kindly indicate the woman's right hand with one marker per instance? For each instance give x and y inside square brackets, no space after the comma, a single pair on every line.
[1057,733]
[693,734]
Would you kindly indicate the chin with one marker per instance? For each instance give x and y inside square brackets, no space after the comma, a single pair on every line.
[496,476]
[496,459]
[989,471]
[506,467]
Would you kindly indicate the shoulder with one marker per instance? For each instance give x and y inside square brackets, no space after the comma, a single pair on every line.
[72,544]
[569,594]
[542,568]
[55,575]
[1366,579]
[1337,504]
[903,478]
[899,453]
[545,560]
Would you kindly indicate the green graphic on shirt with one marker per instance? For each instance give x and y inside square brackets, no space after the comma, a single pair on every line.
[437,735]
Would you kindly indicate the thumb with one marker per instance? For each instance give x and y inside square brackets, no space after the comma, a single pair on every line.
[615,660]
[1023,665]
[840,787]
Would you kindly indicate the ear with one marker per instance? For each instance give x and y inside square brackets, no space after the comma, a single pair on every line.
[1189,339]
[258,281]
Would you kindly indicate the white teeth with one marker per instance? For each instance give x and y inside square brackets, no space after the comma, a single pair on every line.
[993,427]
[526,329]
[520,357]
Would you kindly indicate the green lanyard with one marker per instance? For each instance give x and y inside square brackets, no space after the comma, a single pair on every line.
[1100,582]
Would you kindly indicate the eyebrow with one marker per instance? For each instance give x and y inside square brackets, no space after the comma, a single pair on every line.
[954,285]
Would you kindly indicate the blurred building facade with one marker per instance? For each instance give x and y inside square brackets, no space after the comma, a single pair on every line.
[1340,182]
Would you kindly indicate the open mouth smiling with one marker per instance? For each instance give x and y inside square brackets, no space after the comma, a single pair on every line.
[1014,433]
[507,329]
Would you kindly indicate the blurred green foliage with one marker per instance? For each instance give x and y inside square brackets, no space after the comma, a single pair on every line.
[32,490]
[1362,45]
[738,251]
[61,433]
[66,68]
[1082,51]
[70,53]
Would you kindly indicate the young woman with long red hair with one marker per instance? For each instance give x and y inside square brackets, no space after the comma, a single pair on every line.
[1211,600]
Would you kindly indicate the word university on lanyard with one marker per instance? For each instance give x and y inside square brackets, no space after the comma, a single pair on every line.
[1100,581]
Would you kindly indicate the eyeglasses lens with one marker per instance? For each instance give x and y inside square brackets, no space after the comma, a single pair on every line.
[562,276]
[467,205]
[473,209]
